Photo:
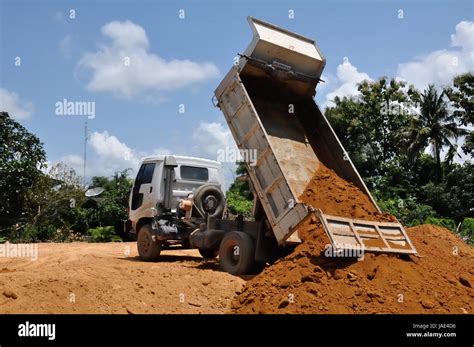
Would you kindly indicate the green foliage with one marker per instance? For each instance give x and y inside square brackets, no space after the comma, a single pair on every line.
[241,168]
[395,182]
[368,125]
[442,222]
[112,206]
[461,96]
[239,197]
[455,194]
[407,211]
[53,207]
[434,126]
[55,199]
[104,234]
[21,159]
[46,232]
[58,199]
[385,109]
[238,204]
[40,232]
[347,121]
[386,138]
[467,230]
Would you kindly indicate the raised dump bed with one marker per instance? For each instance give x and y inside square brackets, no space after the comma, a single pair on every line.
[267,101]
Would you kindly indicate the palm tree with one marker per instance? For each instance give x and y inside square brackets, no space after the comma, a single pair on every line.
[434,126]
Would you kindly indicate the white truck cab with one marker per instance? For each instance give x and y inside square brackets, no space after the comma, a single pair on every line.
[185,175]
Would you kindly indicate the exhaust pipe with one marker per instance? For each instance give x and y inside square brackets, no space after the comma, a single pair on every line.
[170,164]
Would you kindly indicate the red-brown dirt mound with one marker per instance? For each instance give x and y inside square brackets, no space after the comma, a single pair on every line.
[335,196]
[439,280]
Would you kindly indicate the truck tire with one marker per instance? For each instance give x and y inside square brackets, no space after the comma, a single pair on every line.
[236,253]
[148,249]
[186,244]
[208,253]
[205,191]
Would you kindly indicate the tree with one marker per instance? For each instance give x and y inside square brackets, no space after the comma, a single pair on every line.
[52,206]
[462,99]
[454,196]
[112,205]
[434,126]
[345,118]
[368,124]
[385,109]
[239,195]
[21,159]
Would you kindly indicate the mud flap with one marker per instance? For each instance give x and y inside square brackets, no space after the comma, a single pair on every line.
[384,237]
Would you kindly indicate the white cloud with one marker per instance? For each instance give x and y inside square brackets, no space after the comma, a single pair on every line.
[106,145]
[74,161]
[10,102]
[145,71]
[328,80]
[159,151]
[439,67]
[210,138]
[347,79]
[106,155]
[65,45]
[464,36]
[112,154]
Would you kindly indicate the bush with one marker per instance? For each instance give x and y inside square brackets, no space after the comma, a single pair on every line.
[64,235]
[442,222]
[238,204]
[35,233]
[112,206]
[104,234]
[467,230]
[407,211]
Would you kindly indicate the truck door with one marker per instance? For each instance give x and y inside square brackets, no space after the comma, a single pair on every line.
[143,187]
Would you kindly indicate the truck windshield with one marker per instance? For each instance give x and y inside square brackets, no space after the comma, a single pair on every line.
[194,173]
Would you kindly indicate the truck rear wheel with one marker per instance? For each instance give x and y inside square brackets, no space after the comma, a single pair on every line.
[148,249]
[208,253]
[236,253]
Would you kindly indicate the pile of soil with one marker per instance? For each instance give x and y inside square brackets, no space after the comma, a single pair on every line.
[439,280]
[335,196]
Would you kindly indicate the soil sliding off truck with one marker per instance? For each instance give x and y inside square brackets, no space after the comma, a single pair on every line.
[278,70]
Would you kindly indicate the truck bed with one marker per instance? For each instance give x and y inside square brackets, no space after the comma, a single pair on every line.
[268,103]
[300,139]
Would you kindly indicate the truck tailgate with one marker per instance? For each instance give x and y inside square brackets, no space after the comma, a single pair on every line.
[347,233]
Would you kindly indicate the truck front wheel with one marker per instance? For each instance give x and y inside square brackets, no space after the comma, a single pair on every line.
[236,253]
[148,249]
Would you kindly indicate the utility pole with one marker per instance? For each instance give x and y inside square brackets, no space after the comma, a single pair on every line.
[85,154]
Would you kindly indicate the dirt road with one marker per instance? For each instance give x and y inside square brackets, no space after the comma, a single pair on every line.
[109,278]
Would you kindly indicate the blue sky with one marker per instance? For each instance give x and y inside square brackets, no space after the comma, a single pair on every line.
[183,60]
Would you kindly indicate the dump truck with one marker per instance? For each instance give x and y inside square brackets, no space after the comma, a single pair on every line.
[267,99]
